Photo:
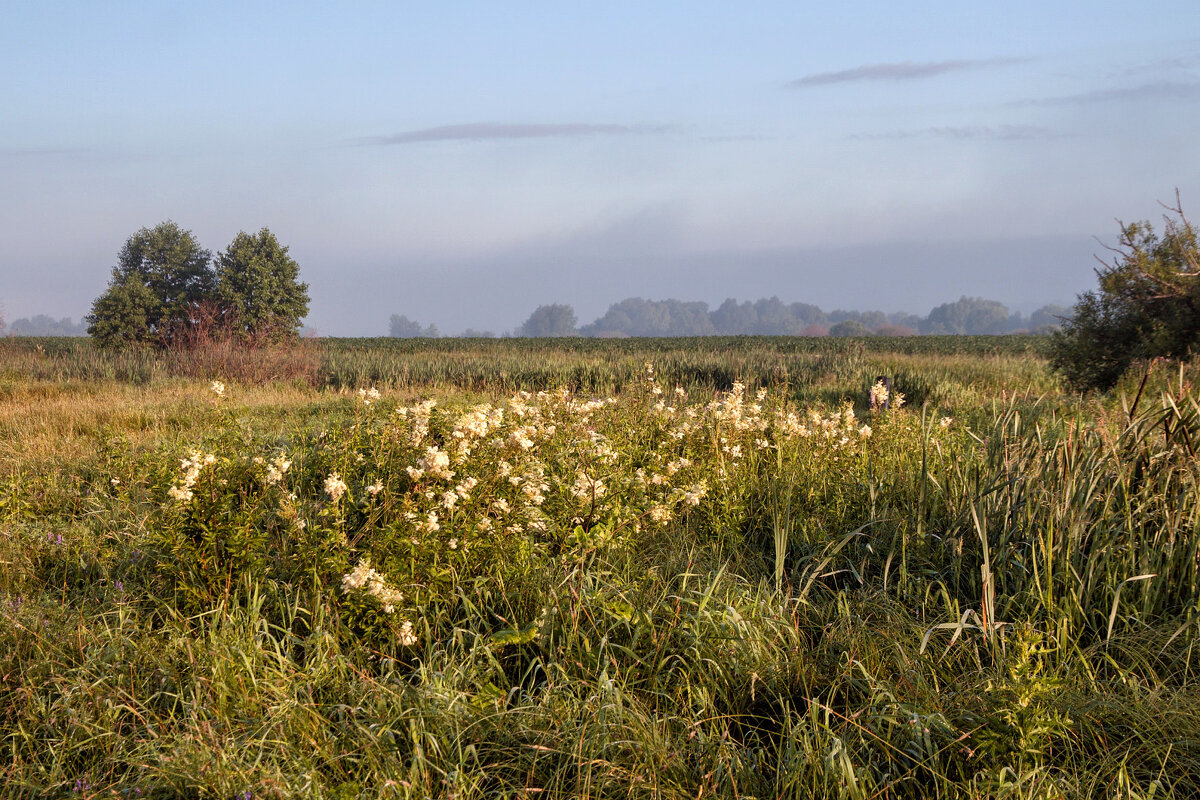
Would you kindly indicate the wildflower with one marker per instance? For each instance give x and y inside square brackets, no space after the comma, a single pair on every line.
[429,524]
[335,487]
[368,396]
[115,481]
[180,493]
[407,636]
[695,494]
[879,395]
[865,431]
[475,424]
[364,577]
[660,514]
[449,500]
[945,422]
[375,488]
[437,463]
[192,465]
[278,468]
[217,388]
[452,544]
[586,488]
[520,437]
[463,490]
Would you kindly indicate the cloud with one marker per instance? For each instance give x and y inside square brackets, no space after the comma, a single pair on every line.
[897,71]
[487,131]
[967,132]
[1159,90]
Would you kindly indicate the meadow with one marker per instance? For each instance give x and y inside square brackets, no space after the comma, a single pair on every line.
[596,568]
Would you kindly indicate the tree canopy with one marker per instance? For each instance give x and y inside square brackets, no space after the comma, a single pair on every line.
[1147,306]
[258,286]
[162,275]
[165,282]
[551,320]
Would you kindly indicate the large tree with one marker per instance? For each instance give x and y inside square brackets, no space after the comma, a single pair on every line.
[258,287]
[551,320]
[161,277]
[1147,306]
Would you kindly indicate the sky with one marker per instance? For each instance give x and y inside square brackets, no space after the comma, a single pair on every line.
[461,163]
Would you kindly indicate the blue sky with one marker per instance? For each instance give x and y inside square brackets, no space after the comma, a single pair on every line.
[461,163]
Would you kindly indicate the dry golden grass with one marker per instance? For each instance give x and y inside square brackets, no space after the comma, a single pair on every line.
[44,423]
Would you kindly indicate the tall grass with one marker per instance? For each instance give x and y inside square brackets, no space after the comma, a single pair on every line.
[992,593]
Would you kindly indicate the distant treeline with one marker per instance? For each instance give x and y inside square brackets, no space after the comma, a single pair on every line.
[766,317]
[42,325]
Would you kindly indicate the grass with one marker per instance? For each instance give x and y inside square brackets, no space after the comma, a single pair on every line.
[662,595]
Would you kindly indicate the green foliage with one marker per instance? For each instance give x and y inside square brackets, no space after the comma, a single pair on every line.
[246,625]
[165,291]
[162,275]
[1147,306]
[258,286]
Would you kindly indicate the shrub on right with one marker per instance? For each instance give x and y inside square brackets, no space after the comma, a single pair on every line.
[1147,306]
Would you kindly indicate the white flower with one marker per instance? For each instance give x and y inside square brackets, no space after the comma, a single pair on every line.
[217,388]
[407,636]
[375,488]
[368,396]
[452,544]
[180,493]
[437,463]
[695,494]
[191,466]
[429,524]
[587,489]
[879,395]
[335,487]
[945,422]
[373,583]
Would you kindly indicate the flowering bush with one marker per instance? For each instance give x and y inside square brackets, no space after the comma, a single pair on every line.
[404,506]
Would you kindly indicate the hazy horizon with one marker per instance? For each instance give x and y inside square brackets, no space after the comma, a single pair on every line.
[463,165]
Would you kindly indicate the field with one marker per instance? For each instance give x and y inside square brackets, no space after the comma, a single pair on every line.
[596,568]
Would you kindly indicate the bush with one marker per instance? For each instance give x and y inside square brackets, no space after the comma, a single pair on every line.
[1147,306]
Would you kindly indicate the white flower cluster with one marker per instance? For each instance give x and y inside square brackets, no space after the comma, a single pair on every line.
[277,469]
[586,489]
[192,465]
[217,388]
[368,396]
[881,395]
[335,487]
[437,463]
[364,577]
[418,420]
[837,428]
